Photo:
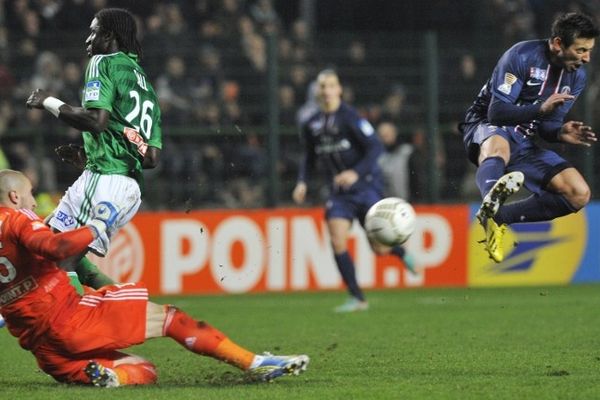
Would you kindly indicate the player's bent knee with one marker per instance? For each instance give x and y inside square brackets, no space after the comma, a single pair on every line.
[70,374]
[585,197]
[495,146]
[578,195]
[580,198]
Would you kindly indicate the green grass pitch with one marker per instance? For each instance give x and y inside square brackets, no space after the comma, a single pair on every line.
[518,343]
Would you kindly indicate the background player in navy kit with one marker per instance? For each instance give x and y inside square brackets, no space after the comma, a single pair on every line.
[532,88]
[348,149]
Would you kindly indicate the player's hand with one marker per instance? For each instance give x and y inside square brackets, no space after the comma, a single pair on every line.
[554,101]
[36,98]
[72,154]
[345,179]
[299,193]
[104,216]
[575,132]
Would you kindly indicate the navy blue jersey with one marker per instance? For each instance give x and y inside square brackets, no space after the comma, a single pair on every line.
[342,140]
[524,76]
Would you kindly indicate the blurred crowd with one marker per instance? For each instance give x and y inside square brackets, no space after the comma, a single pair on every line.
[208,61]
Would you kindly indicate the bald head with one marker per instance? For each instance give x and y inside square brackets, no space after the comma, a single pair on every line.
[15,190]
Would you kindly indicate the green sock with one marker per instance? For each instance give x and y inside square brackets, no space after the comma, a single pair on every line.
[90,275]
[75,282]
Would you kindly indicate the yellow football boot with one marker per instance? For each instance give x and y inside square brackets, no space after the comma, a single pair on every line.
[494,234]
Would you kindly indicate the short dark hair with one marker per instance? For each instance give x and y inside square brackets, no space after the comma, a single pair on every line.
[328,72]
[571,26]
[122,23]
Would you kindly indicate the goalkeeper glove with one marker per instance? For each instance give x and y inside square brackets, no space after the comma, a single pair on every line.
[104,215]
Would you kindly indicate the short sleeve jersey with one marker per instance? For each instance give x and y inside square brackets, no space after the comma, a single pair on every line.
[116,83]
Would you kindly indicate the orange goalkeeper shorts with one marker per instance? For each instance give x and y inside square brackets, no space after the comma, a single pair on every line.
[111,318]
[106,320]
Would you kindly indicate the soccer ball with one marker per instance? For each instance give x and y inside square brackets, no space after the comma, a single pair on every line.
[390,221]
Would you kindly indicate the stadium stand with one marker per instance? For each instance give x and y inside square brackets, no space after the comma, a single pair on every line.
[208,61]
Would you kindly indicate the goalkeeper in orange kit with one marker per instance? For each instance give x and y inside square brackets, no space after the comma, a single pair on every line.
[77,339]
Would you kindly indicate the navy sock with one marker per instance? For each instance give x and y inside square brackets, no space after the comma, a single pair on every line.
[346,266]
[488,173]
[535,208]
[398,251]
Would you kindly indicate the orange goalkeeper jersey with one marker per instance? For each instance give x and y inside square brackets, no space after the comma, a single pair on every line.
[34,291]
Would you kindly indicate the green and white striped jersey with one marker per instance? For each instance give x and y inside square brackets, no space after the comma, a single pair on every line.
[116,83]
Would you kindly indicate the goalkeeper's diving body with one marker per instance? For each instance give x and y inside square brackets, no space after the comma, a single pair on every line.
[77,339]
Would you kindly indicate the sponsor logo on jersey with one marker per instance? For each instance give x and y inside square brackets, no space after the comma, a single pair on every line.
[537,73]
[66,219]
[509,80]
[17,291]
[134,137]
[92,91]
[325,148]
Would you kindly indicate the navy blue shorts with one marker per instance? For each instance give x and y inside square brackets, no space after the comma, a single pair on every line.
[352,205]
[539,165]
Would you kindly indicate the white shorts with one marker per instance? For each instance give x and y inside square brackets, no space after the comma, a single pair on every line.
[75,207]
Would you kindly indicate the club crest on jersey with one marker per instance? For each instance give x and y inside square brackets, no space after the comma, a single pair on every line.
[366,127]
[316,126]
[509,80]
[537,73]
[67,220]
[92,91]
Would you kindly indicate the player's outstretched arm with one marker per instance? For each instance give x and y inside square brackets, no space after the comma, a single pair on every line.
[576,132]
[38,239]
[92,120]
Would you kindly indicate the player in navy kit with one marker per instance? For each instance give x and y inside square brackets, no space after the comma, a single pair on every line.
[532,88]
[348,149]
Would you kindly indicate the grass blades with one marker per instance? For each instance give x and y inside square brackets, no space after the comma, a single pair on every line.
[527,343]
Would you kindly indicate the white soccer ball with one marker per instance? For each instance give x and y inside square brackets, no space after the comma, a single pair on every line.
[390,221]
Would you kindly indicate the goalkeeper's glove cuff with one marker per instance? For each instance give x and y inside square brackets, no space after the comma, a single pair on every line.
[97,226]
